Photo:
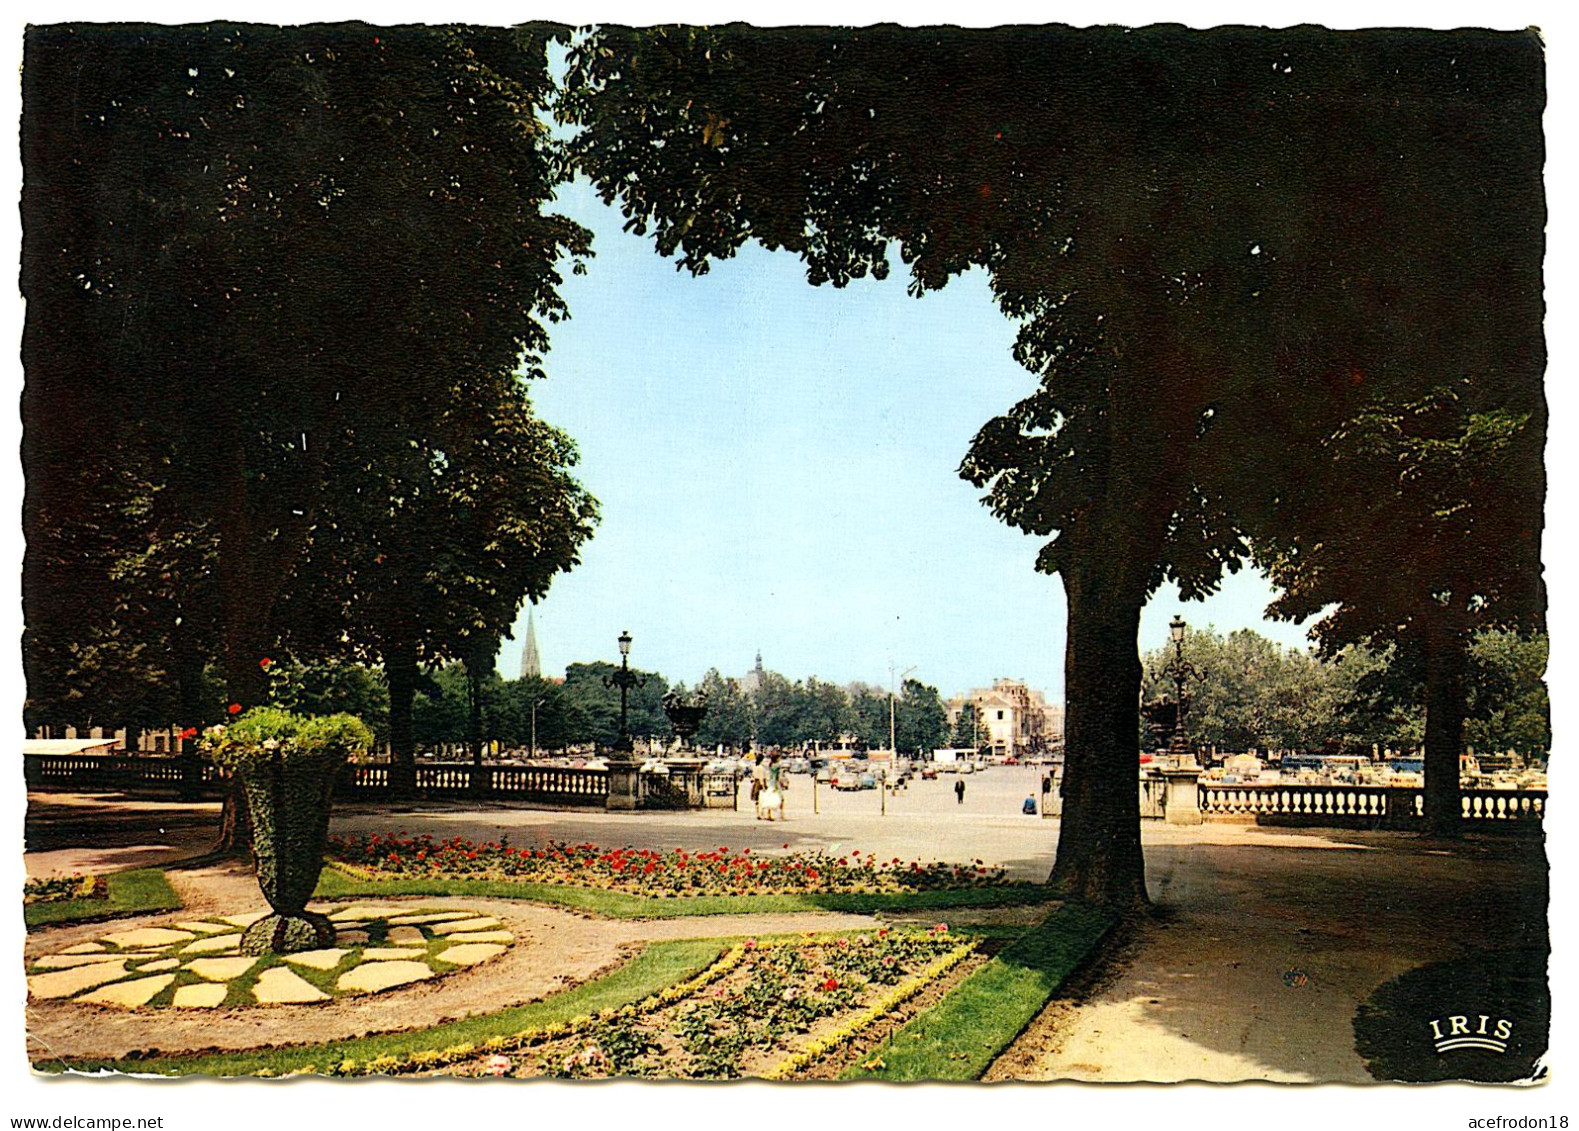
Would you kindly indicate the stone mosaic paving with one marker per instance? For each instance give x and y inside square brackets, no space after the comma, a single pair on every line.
[196,964]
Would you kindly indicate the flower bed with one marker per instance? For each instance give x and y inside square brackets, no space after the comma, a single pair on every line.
[770,1009]
[640,871]
[60,889]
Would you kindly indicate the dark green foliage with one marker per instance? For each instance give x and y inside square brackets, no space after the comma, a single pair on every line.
[287,933]
[204,209]
[596,708]
[1510,707]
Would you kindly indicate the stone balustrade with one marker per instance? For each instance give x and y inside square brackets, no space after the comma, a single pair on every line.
[1360,806]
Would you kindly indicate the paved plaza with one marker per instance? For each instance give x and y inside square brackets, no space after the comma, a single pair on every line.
[1264,942]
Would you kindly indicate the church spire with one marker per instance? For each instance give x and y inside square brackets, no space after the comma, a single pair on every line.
[531,665]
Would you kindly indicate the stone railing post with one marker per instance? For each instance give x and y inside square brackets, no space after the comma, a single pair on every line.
[1182,801]
[624,786]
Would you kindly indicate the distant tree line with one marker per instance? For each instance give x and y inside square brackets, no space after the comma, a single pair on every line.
[581,710]
[1252,694]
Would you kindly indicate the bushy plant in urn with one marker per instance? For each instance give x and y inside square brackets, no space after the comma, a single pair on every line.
[286,765]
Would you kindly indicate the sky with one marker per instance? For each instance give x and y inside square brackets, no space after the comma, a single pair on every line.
[776,465]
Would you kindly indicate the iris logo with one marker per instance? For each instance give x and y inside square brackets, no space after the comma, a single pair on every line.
[1461,1035]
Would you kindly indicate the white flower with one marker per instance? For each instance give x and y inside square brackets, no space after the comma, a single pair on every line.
[271,744]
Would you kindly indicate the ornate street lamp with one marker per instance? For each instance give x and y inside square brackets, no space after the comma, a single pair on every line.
[1180,671]
[624,679]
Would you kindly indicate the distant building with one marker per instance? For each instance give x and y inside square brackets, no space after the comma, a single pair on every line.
[1017,719]
[531,663]
[751,682]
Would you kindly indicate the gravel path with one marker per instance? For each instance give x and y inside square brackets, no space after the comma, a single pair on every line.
[1259,957]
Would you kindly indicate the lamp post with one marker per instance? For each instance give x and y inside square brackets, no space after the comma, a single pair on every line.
[893,749]
[892,752]
[1180,671]
[535,705]
[624,679]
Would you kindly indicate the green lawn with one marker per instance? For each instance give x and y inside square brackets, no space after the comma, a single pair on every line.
[131,893]
[659,966]
[965,1032]
[334,884]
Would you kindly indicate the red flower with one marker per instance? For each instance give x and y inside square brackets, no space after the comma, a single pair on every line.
[264,663]
[831,984]
[234,708]
[189,732]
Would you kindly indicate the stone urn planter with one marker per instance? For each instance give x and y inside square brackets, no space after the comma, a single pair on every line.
[286,766]
[685,715]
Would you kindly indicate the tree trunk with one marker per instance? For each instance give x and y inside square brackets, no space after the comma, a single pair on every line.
[235,823]
[247,588]
[1099,854]
[400,669]
[1444,726]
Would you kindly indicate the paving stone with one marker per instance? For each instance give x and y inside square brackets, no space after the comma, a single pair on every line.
[67,961]
[318,959]
[351,937]
[430,917]
[482,923]
[64,983]
[482,937]
[402,935]
[138,991]
[243,920]
[387,953]
[84,948]
[148,936]
[469,954]
[370,977]
[221,969]
[278,985]
[363,911]
[203,927]
[162,964]
[348,924]
[212,944]
[205,995]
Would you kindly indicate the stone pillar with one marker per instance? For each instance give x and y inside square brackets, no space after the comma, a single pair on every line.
[624,784]
[1182,802]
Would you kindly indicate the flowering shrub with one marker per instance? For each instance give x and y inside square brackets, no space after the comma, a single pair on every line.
[61,888]
[641,871]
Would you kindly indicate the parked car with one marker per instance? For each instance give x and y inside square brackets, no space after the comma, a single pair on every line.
[825,774]
[846,780]
[867,781]
[929,773]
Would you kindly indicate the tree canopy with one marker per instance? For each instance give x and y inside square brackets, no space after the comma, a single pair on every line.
[1218,246]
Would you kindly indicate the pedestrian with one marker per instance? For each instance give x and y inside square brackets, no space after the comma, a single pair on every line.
[1029,808]
[773,794]
[759,783]
[959,790]
[1047,784]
